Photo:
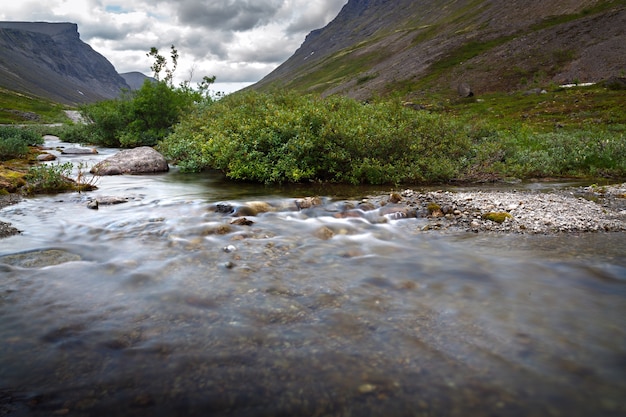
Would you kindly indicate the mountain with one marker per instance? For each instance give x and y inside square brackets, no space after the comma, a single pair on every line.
[379,47]
[49,60]
[136,79]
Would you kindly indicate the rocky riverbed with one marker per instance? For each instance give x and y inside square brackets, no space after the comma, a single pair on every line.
[583,209]
[580,209]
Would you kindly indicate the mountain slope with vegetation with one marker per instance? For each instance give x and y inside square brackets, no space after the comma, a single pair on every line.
[406,47]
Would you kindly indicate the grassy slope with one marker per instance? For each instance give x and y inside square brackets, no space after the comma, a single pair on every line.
[563,108]
[17,107]
[372,67]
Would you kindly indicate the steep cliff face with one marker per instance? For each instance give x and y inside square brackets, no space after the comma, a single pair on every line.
[377,47]
[50,60]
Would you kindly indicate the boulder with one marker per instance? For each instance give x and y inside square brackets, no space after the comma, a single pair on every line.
[142,160]
[79,151]
[465,90]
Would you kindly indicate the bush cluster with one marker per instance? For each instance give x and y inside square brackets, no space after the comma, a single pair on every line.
[288,137]
[53,178]
[522,153]
[14,142]
[139,118]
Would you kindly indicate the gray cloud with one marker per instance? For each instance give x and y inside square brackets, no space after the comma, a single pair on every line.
[238,41]
[109,30]
[319,14]
[237,15]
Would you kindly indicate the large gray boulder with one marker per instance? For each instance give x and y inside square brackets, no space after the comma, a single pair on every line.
[142,160]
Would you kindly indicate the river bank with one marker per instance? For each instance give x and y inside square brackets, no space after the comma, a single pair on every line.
[5,228]
[570,210]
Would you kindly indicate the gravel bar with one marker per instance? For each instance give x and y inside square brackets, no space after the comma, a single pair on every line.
[584,209]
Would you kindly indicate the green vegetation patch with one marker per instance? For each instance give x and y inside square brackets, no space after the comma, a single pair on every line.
[55,178]
[498,217]
[287,137]
[594,107]
[15,142]
[550,21]
[23,109]
[339,67]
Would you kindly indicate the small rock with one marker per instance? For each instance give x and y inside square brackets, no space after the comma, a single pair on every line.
[224,208]
[242,221]
[395,198]
[367,388]
[366,206]
[79,151]
[324,233]
[465,90]
[230,248]
[46,157]
[111,200]
[308,202]
[259,206]
[447,209]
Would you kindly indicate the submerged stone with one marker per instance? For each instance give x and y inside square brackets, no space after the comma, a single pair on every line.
[40,258]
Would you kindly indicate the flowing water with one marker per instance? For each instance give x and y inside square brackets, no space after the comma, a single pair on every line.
[158,306]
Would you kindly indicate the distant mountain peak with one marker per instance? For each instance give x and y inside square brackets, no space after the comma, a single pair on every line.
[136,79]
[49,60]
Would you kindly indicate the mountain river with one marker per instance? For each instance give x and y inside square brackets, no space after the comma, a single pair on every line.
[160,307]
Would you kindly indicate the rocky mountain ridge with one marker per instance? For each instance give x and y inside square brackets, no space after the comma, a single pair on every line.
[408,47]
[49,60]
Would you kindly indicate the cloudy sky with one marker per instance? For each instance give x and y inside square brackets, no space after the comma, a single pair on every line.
[238,41]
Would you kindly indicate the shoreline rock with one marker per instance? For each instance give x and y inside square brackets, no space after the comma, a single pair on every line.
[141,160]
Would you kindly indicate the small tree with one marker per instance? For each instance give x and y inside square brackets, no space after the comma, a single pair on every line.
[160,64]
[145,116]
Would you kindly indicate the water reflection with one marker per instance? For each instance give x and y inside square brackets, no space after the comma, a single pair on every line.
[138,309]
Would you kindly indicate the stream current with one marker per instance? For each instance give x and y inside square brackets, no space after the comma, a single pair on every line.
[158,306]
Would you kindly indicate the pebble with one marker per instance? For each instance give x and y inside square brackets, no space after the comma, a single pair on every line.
[230,248]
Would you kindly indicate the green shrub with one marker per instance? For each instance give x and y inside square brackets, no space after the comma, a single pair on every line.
[14,142]
[287,137]
[52,178]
